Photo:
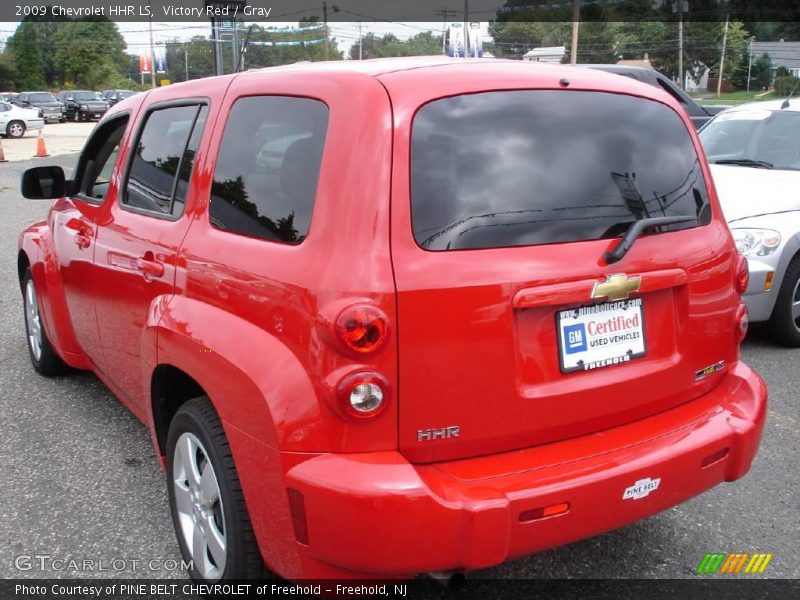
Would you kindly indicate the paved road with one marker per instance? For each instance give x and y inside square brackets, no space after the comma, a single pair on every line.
[80,480]
[60,138]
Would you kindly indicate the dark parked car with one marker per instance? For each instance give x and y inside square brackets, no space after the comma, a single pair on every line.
[699,114]
[82,105]
[114,96]
[51,109]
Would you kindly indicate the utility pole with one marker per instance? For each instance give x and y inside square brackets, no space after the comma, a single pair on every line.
[186,59]
[360,41]
[682,6]
[325,30]
[722,57]
[444,13]
[152,52]
[240,62]
[576,23]
[749,61]
[466,30]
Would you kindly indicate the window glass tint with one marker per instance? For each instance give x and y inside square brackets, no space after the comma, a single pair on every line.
[761,135]
[41,97]
[158,158]
[517,168]
[265,180]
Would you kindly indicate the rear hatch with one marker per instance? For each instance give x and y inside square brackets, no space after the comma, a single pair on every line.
[513,329]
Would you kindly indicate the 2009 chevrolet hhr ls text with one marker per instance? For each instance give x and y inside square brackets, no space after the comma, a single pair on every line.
[400,316]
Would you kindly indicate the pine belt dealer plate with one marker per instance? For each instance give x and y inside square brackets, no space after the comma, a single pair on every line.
[601,335]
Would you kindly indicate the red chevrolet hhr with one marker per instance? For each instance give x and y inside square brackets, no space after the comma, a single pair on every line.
[400,316]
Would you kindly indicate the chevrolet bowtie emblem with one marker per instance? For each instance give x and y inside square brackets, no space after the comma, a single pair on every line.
[616,287]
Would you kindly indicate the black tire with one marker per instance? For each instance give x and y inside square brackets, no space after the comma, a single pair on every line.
[76,116]
[782,328]
[16,129]
[243,560]
[48,363]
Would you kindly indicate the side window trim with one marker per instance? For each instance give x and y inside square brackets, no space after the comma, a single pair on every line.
[198,103]
[84,163]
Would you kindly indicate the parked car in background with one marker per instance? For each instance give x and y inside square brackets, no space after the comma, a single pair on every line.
[114,96]
[15,121]
[51,109]
[754,151]
[698,113]
[8,96]
[82,105]
[398,316]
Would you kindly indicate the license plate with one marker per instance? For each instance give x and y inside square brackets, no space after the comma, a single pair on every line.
[96,115]
[601,335]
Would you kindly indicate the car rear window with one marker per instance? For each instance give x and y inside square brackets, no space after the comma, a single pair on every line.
[516,168]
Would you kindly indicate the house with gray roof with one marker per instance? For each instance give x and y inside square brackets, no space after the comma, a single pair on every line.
[783,54]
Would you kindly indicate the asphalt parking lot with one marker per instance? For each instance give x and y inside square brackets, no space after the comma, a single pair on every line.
[60,138]
[80,479]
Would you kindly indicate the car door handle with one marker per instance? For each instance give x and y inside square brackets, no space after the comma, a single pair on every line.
[150,267]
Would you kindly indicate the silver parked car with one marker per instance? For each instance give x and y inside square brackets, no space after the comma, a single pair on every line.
[15,121]
[754,151]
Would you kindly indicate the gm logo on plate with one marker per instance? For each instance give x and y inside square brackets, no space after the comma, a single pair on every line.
[575,338]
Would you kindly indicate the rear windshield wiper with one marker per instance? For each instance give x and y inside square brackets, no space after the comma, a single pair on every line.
[636,229]
[745,162]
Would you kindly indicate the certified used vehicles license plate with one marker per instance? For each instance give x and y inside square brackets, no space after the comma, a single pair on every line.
[601,335]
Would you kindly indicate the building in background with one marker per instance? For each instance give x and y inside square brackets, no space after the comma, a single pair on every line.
[783,54]
[552,54]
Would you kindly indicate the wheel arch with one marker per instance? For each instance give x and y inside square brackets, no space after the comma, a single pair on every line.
[23,264]
[256,384]
[170,388]
[790,254]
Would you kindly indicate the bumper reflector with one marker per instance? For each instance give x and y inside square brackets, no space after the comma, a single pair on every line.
[768,281]
[297,507]
[712,458]
[545,511]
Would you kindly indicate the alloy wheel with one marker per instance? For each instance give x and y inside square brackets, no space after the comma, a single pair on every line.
[199,506]
[33,321]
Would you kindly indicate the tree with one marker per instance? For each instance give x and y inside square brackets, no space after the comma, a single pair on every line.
[89,53]
[29,57]
[8,71]
[760,72]
[55,53]
[422,44]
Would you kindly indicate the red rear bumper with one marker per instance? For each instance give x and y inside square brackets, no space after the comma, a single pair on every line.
[377,513]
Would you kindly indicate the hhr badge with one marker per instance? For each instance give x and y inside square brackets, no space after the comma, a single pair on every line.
[616,287]
[438,433]
[641,488]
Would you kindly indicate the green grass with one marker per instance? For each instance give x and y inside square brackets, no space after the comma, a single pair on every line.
[739,97]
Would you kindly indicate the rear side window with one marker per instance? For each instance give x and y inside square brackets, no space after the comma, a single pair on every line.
[265,179]
[516,168]
[163,160]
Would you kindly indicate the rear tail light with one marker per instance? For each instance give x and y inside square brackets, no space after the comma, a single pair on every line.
[742,274]
[363,395]
[362,328]
[741,323]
